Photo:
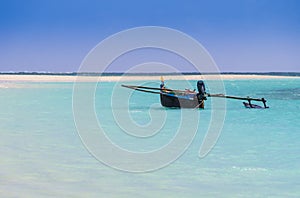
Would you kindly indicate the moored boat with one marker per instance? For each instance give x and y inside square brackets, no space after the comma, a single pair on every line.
[190,99]
[183,99]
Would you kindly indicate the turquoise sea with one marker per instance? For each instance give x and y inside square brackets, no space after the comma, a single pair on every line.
[256,155]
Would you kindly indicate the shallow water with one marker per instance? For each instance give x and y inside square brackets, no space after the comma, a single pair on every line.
[257,154]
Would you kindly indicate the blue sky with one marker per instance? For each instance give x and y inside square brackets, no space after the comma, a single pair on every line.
[241,35]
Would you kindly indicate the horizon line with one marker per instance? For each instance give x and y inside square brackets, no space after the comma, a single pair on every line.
[147,73]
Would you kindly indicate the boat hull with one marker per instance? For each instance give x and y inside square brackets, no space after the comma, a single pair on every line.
[176,102]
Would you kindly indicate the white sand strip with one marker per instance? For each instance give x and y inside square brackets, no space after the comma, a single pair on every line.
[62,78]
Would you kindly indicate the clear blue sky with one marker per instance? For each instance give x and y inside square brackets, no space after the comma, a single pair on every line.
[241,35]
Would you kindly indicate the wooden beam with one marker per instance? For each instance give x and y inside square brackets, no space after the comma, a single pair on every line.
[235,97]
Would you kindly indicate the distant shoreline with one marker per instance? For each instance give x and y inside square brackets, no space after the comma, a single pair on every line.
[17,78]
[149,74]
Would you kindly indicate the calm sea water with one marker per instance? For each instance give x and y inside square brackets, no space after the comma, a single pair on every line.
[257,154]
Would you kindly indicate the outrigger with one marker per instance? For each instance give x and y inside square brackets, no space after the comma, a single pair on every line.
[190,98]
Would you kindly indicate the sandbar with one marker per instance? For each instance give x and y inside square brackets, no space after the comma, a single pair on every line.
[66,78]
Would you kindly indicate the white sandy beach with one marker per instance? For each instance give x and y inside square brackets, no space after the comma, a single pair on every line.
[65,78]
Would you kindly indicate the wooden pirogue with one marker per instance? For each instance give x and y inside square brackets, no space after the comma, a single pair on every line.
[190,98]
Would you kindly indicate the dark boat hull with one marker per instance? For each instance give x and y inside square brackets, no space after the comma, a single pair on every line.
[177,102]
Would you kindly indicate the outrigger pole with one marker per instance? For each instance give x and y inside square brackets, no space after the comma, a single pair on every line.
[240,98]
[151,88]
[141,88]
